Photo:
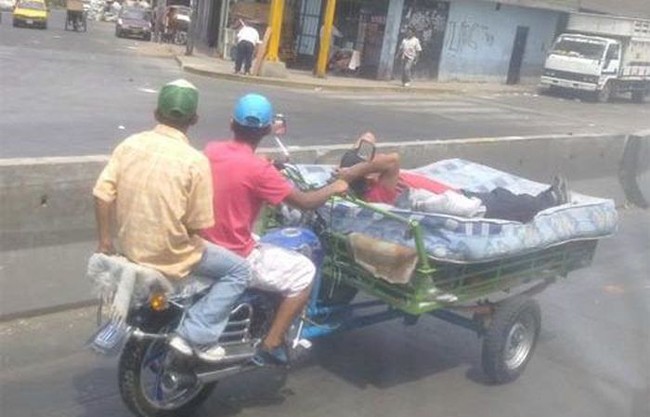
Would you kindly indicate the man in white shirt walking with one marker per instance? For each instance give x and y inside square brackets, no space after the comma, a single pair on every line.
[410,50]
[247,39]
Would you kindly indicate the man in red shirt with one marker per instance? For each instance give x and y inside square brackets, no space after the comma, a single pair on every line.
[382,181]
[242,183]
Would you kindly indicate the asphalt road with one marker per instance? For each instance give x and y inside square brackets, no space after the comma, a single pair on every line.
[66,93]
[592,360]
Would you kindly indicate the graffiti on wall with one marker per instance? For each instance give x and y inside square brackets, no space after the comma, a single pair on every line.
[468,35]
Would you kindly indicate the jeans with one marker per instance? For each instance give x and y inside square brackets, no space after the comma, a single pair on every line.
[244,56]
[206,319]
[503,204]
[407,71]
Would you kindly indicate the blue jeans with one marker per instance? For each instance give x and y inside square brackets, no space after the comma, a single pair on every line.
[205,320]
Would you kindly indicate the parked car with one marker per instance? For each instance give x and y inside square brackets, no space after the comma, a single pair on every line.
[31,13]
[134,22]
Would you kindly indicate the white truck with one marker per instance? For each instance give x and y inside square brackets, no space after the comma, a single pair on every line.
[601,54]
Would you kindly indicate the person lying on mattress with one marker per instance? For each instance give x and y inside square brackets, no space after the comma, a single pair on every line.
[381,181]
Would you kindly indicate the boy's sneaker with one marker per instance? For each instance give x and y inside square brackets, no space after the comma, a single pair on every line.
[209,354]
[181,346]
[268,357]
[560,190]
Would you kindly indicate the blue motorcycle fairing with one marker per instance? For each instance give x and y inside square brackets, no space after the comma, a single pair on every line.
[298,239]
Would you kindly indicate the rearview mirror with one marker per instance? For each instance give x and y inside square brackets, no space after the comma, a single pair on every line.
[280,125]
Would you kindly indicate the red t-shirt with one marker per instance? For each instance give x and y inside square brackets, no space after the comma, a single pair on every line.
[377,193]
[242,182]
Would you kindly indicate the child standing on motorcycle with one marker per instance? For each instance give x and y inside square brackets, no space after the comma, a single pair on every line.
[160,190]
[243,182]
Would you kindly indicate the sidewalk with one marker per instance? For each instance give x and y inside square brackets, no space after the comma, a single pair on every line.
[222,69]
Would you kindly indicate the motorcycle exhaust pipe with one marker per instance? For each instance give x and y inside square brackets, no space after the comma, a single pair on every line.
[214,376]
[139,334]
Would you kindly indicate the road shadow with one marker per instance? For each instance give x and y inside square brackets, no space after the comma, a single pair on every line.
[256,389]
[396,354]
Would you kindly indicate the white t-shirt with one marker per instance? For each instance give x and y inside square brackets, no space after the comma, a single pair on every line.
[248,33]
[410,48]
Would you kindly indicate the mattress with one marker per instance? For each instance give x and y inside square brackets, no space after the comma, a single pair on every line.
[456,239]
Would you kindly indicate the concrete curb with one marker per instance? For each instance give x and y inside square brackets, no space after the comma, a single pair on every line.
[324,86]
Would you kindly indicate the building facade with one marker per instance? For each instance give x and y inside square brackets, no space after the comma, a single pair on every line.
[495,42]
[463,40]
[473,40]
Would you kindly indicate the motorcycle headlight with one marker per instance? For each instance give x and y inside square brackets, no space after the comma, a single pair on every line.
[158,301]
[119,22]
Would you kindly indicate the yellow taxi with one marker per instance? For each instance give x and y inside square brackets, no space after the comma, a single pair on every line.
[30,13]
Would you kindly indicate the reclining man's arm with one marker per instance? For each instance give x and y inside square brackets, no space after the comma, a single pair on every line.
[314,199]
[386,165]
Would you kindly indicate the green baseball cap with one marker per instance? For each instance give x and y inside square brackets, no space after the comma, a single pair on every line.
[178,101]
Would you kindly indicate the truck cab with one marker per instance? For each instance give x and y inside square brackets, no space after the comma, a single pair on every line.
[603,55]
[582,62]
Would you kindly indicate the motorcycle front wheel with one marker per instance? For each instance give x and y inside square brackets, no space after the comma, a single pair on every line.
[148,390]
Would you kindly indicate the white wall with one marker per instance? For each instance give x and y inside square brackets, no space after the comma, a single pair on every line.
[479,39]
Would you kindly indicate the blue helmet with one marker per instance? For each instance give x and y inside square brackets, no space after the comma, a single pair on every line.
[253,110]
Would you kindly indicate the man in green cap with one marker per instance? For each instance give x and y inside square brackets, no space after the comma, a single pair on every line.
[161,191]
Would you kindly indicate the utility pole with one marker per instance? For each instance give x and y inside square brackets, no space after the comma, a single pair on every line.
[275,23]
[223,26]
[324,51]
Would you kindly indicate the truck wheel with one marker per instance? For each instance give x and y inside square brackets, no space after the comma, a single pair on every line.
[638,96]
[510,339]
[604,95]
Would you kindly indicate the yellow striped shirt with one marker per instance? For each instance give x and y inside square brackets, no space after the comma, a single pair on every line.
[162,190]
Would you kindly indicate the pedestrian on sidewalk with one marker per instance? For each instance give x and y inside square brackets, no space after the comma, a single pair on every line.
[410,51]
[247,40]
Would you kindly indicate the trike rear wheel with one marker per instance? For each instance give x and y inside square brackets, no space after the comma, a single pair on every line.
[510,339]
